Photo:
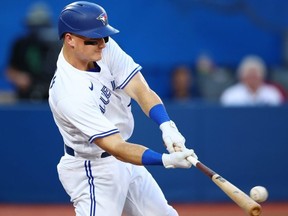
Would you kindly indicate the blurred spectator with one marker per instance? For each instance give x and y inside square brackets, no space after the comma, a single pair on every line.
[205,64]
[251,88]
[33,56]
[212,79]
[183,84]
[279,78]
[7,93]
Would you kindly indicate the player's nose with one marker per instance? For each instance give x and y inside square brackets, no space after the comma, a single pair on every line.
[101,43]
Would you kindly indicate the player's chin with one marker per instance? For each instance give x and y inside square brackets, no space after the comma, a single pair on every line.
[97,56]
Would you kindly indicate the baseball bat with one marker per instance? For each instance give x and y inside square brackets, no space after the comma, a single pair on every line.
[238,196]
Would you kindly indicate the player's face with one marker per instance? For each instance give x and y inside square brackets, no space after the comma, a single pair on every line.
[89,49]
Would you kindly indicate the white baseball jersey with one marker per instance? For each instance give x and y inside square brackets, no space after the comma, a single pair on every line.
[92,104]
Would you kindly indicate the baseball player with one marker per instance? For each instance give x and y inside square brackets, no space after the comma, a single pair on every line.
[90,98]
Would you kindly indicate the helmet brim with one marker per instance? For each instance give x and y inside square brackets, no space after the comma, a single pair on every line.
[101,32]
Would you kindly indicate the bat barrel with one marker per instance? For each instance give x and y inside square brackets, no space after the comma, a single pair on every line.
[238,196]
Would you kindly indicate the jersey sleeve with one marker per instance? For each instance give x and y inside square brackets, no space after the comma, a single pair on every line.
[121,65]
[85,117]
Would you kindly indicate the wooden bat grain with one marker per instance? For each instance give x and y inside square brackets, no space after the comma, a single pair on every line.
[238,196]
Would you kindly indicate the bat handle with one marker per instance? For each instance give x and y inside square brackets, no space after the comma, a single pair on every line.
[196,163]
[193,160]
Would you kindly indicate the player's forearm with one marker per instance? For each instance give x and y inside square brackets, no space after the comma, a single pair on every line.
[141,155]
[139,90]
[149,100]
[128,152]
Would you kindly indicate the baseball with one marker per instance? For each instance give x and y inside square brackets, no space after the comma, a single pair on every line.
[259,193]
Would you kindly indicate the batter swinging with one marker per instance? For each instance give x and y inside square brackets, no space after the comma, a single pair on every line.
[90,98]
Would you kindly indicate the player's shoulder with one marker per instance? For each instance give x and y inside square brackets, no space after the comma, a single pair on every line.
[67,87]
[69,101]
[112,42]
[111,46]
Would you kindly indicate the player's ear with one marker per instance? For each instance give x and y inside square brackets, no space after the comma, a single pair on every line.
[69,39]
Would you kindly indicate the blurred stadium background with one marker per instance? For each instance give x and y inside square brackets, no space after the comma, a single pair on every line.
[159,35]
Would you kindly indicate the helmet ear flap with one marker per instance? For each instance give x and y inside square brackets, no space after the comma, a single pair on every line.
[106,39]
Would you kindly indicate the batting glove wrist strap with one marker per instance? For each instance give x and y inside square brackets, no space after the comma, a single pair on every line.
[169,125]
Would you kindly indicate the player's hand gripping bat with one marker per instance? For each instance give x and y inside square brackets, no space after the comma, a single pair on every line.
[238,196]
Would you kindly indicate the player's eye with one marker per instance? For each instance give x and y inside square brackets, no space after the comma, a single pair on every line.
[91,42]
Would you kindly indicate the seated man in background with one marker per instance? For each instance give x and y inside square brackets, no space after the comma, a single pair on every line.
[33,56]
[251,88]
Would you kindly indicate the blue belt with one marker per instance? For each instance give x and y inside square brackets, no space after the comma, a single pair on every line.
[70,151]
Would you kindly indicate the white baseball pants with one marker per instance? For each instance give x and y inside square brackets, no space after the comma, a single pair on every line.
[109,187]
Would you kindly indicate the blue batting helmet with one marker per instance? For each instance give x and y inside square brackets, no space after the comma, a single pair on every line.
[86,19]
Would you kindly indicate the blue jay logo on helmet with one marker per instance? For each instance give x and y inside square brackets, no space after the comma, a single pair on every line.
[103,18]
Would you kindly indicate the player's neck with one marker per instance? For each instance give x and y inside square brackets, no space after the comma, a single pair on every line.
[76,62]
